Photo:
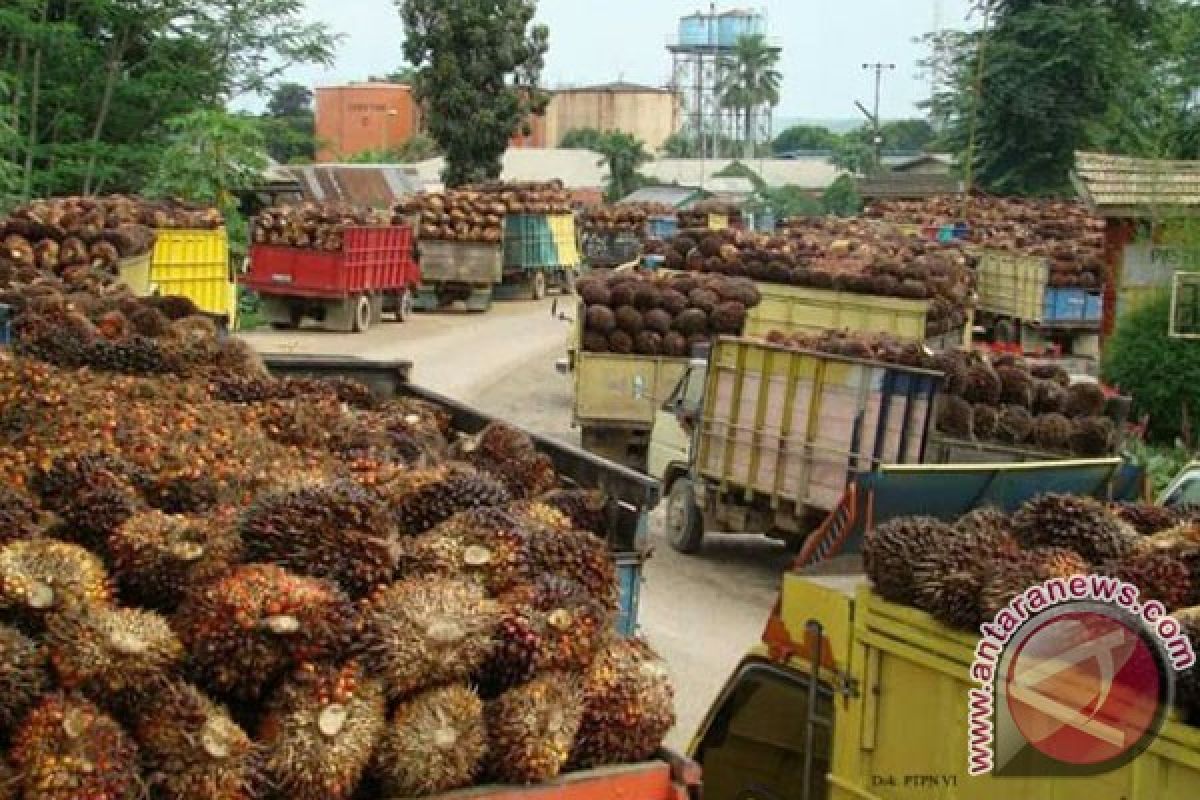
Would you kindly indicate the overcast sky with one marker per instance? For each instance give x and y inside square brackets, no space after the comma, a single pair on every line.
[595,41]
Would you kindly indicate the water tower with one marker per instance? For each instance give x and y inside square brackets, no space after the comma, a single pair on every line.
[704,42]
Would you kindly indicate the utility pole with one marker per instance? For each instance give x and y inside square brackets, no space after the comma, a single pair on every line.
[879,67]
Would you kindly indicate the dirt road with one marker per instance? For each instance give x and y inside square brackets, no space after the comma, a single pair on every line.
[701,612]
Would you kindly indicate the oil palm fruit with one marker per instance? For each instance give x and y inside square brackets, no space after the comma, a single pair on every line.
[1079,523]
[532,728]
[43,576]
[443,491]
[580,557]
[18,515]
[1159,576]
[1146,519]
[24,676]
[434,742]
[893,548]
[489,546]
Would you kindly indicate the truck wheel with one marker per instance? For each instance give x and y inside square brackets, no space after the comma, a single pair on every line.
[362,313]
[685,522]
[404,305]
[539,285]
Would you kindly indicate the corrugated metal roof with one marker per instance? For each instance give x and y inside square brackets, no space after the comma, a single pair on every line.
[667,195]
[907,185]
[1120,186]
[806,173]
[376,185]
[576,168]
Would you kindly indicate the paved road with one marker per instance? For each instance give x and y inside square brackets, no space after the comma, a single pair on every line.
[701,612]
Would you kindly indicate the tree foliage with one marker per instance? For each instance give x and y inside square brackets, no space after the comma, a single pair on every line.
[289,126]
[419,147]
[805,137]
[623,153]
[478,65]
[748,79]
[210,155]
[841,198]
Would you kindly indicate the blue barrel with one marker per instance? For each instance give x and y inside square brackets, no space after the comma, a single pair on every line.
[5,324]
[662,227]
[629,579]
[653,261]
[696,31]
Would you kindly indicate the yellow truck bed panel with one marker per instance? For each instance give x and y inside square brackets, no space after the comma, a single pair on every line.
[623,390]
[792,425]
[1012,284]
[911,719]
[796,308]
[195,264]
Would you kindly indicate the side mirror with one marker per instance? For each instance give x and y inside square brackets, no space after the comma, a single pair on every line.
[562,366]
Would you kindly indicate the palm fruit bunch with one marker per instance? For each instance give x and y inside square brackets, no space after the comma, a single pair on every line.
[508,454]
[578,557]
[549,624]
[425,632]
[338,531]
[156,557]
[68,749]
[1006,579]
[1159,576]
[119,657]
[93,493]
[1181,544]
[312,226]
[585,509]
[488,546]
[531,728]
[1144,518]
[426,498]
[39,577]
[653,314]
[434,742]
[18,515]
[1078,523]
[891,550]
[949,578]
[23,676]
[627,706]
[1187,682]
[319,730]
[250,627]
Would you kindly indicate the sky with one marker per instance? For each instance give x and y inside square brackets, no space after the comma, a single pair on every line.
[595,41]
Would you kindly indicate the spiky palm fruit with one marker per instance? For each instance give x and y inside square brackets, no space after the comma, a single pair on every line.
[68,749]
[568,628]
[1093,436]
[891,550]
[320,729]
[39,577]
[1049,397]
[18,515]
[1079,523]
[120,656]
[1052,432]
[985,521]
[441,492]
[337,531]
[540,515]
[24,676]
[1016,386]
[1182,543]
[1015,425]
[488,546]
[586,508]
[251,626]
[1009,576]
[579,557]
[156,557]
[985,421]
[947,580]
[954,416]
[532,728]
[1146,519]
[195,749]
[508,454]
[426,632]
[434,742]
[1187,682]
[1158,575]
[93,493]
[1085,399]
[982,385]
[629,705]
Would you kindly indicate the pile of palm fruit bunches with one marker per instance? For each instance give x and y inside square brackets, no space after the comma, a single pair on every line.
[313,226]
[61,235]
[1064,232]
[967,572]
[698,215]
[654,314]
[848,255]
[1001,399]
[475,213]
[622,218]
[218,584]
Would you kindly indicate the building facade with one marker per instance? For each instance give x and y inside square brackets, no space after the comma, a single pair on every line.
[363,116]
[648,113]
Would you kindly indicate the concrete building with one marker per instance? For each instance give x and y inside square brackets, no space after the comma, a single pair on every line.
[646,112]
[363,116]
[582,172]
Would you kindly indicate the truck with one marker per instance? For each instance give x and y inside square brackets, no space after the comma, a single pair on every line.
[466,272]
[616,397]
[539,253]
[762,438]
[850,697]
[1017,307]
[630,495]
[348,290]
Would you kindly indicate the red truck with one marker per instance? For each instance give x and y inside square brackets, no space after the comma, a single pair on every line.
[376,271]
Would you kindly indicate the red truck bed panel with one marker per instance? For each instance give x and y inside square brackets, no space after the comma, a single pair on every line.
[649,781]
[372,259]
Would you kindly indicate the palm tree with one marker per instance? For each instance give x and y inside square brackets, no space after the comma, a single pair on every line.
[748,78]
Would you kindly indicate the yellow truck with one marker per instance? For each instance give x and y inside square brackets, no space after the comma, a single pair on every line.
[617,397]
[850,697]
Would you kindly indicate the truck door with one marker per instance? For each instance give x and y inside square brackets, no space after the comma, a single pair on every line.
[769,737]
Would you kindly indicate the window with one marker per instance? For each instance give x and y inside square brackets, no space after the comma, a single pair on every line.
[753,748]
[1187,493]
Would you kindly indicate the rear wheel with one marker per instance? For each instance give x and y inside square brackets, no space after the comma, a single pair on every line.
[362,313]
[685,521]
[539,285]
[404,305]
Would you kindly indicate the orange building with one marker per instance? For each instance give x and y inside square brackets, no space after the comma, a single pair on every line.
[363,116]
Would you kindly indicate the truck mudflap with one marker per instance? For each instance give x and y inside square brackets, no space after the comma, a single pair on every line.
[947,491]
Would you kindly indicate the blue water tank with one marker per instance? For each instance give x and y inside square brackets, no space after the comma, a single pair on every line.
[697,30]
[733,25]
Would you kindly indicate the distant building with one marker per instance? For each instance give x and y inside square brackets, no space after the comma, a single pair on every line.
[363,116]
[646,112]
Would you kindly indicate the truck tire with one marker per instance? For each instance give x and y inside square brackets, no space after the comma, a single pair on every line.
[538,284]
[295,317]
[685,521]
[404,305]
[362,313]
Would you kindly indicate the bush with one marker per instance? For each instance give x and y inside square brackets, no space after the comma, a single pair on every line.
[1160,373]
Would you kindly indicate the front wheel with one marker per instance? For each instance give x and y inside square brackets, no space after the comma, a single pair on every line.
[685,521]
[404,305]
[362,313]
[539,285]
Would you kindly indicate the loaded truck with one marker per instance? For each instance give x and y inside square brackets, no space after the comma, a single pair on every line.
[850,697]
[350,289]
[616,397]
[540,252]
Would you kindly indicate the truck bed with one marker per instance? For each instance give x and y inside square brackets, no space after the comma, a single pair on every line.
[652,780]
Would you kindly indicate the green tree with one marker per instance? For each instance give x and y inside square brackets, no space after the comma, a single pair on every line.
[623,153]
[210,154]
[842,198]
[805,137]
[906,134]
[681,145]
[478,65]
[289,126]
[748,79]
[786,201]
[418,148]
